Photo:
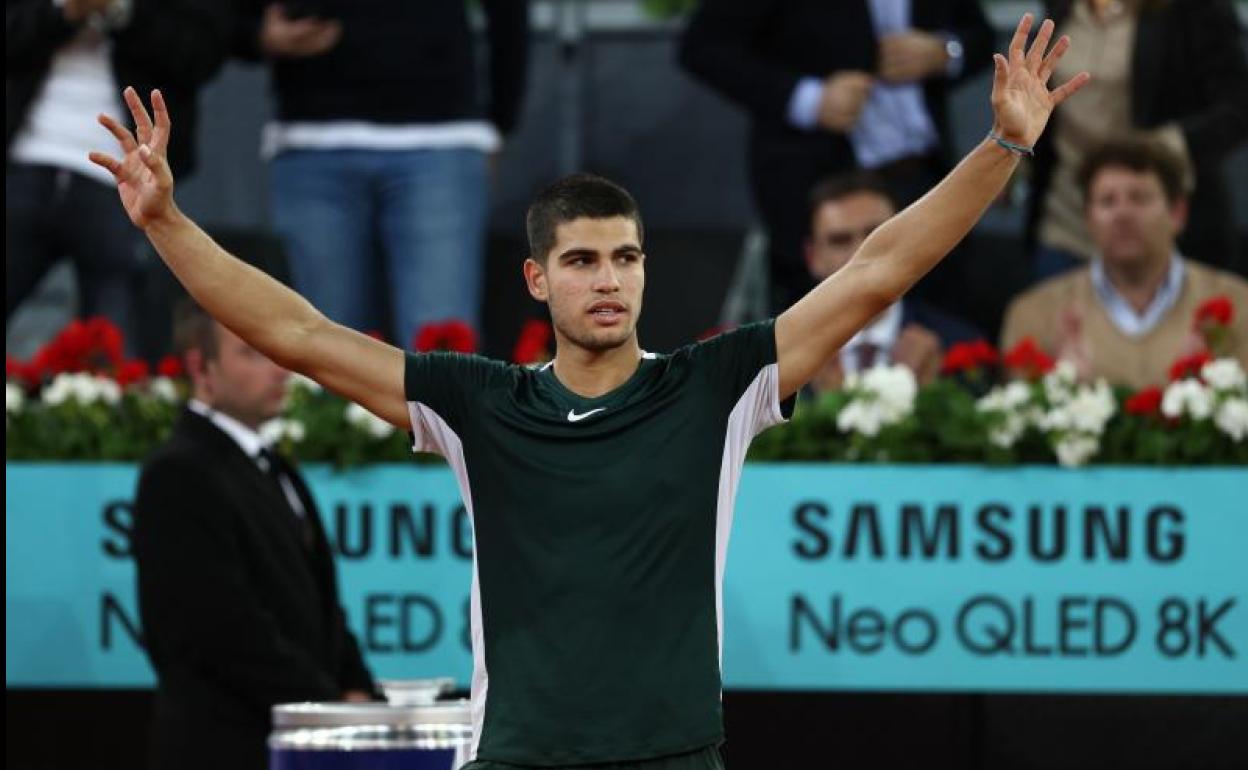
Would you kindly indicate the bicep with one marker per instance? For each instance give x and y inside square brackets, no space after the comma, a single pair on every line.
[819,324]
[359,368]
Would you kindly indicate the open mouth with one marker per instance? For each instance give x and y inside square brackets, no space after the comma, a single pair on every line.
[607,311]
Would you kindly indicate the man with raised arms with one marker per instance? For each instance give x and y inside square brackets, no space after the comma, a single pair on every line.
[601,486]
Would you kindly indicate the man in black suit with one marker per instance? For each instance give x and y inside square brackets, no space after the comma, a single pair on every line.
[237,591]
[843,211]
[834,86]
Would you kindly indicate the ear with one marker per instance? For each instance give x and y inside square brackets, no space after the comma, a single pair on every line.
[1178,214]
[196,364]
[535,280]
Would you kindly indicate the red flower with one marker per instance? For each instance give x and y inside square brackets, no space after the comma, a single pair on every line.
[104,340]
[23,372]
[455,336]
[1145,402]
[533,344]
[94,346]
[1189,366]
[1028,358]
[131,372]
[170,366]
[1217,311]
[966,356]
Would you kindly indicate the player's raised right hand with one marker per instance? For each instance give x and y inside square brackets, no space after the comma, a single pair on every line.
[144,180]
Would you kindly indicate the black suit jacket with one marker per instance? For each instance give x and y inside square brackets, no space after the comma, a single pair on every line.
[755,52]
[173,45]
[949,328]
[1188,67]
[238,613]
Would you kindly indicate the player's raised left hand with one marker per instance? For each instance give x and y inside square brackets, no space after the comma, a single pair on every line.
[1021,99]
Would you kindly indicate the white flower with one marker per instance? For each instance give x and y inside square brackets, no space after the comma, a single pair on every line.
[865,417]
[1232,418]
[278,429]
[298,381]
[164,389]
[882,395]
[1091,407]
[83,388]
[1059,384]
[893,385]
[14,398]
[1224,374]
[1076,449]
[1009,402]
[368,422]
[1188,396]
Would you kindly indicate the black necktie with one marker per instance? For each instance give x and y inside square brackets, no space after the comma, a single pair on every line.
[867,353]
[274,466]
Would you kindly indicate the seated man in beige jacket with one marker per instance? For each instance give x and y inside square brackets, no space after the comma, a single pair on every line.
[1129,314]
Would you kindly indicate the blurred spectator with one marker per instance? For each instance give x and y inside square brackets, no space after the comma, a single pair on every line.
[1132,312]
[843,211]
[66,61]
[381,150]
[237,592]
[1174,71]
[834,86]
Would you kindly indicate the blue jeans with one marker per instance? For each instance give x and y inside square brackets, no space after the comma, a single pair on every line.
[367,229]
[50,213]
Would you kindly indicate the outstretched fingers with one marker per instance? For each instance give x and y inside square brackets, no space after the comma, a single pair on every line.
[107,162]
[1064,92]
[1035,55]
[1019,40]
[160,135]
[120,133]
[1050,61]
[142,122]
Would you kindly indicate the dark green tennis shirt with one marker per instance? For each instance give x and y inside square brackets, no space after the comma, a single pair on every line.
[601,528]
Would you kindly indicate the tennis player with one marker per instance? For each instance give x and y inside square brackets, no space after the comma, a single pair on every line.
[600,486]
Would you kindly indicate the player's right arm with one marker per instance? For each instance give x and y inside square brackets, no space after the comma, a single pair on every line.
[269,316]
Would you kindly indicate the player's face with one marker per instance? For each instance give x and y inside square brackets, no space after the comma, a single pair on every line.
[592,282]
[242,382]
[1129,218]
[839,227]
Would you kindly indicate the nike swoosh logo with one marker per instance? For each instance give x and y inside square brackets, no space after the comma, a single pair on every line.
[574,417]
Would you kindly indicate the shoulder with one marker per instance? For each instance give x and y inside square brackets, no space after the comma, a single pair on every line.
[441,369]
[1065,286]
[1206,278]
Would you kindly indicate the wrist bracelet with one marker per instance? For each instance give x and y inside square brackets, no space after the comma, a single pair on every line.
[1017,149]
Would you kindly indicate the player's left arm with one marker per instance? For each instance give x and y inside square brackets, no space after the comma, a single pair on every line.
[905,248]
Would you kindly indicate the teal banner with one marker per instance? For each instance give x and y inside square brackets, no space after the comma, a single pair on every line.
[839,577]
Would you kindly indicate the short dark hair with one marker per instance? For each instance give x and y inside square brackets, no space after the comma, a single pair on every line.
[1140,155]
[194,329]
[851,183]
[574,197]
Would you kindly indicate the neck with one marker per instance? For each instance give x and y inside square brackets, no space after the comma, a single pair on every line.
[591,373]
[245,420]
[1138,283]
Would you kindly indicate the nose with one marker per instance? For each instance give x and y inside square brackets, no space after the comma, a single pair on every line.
[606,279]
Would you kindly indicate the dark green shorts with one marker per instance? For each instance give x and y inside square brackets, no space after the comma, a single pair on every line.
[703,759]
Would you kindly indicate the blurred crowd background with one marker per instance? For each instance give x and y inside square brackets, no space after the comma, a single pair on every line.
[379,155]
